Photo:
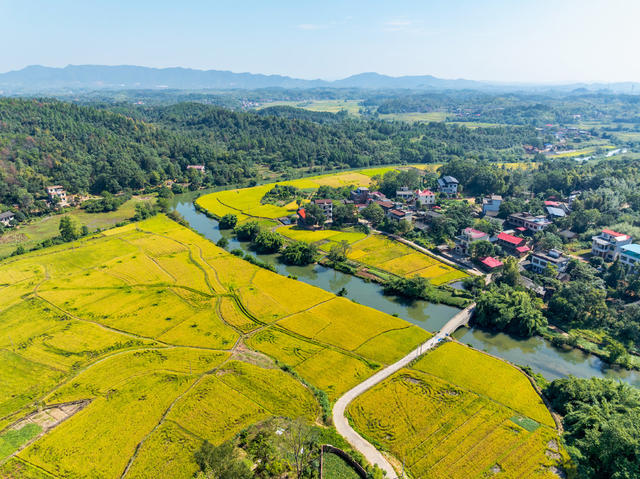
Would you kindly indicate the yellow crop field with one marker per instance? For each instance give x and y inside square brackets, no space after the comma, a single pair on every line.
[335,372]
[167,452]
[283,347]
[486,376]
[441,430]
[343,323]
[397,258]
[147,326]
[309,236]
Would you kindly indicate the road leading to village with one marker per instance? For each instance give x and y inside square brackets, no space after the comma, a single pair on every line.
[342,424]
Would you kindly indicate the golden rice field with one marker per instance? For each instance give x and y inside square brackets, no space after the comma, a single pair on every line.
[170,340]
[245,202]
[461,425]
[397,258]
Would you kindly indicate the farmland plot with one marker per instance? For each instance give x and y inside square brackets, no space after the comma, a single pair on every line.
[146,322]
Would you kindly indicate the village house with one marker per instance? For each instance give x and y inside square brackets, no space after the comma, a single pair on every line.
[490,263]
[467,237]
[425,197]
[377,196]
[528,221]
[360,195]
[57,191]
[327,208]
[6,218]
[448,185]
[385,205]
[199,168]
[541,259]
[399,215]
[404,194]
[630,255]
[491,205]
[608,244]
[513,245]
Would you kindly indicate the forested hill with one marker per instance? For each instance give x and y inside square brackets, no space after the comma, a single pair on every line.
[86,148]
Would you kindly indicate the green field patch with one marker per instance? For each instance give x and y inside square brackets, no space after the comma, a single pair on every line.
[525,423]
[12,439]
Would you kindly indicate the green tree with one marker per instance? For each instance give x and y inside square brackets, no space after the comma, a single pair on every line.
[221,462]
[506,309]
[247,231]
[344,215]
[374,213]
[228,222]
[68,229]
[267,242]
[481,249]
[299,253]
[338,252]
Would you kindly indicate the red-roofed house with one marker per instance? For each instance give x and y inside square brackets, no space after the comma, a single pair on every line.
[425,197]
[490,263]
[511,244]
[385,205]
[467,237]
[608,244]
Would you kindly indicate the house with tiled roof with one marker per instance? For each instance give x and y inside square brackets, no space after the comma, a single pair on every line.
[529,221]
[467,238]
[399,215]
[608,244]
[490,263]
[448,185]
[425,197]
[326,206]
[513,245]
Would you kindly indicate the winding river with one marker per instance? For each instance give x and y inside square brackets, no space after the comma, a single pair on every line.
[535,352]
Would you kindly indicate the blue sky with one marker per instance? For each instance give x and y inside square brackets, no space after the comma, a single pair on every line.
[498,40]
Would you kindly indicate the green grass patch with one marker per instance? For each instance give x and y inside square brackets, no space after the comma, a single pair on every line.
[11,440]
[525,423]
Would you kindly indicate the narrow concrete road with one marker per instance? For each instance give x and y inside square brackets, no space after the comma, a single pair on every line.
[342,424]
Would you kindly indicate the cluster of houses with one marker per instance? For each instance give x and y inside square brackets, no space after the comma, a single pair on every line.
[611,245]
[408,204]
[57,197]
[515,241]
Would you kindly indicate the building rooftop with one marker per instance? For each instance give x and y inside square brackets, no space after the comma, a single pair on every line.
[6,215]
[616,235]
[552,210]
[522,249]
[323,202]
[514,240]
[474,233]
[632,250]
[449,179]
[491,262]
[425,193]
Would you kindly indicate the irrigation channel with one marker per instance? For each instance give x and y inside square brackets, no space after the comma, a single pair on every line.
[535,352]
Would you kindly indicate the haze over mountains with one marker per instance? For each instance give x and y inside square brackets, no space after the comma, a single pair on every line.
[34,79]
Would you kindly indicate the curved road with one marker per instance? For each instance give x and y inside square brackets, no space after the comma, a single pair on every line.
[342,424]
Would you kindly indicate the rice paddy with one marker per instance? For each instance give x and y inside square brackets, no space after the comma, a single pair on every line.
[152,326]
[397,258]
[459,425]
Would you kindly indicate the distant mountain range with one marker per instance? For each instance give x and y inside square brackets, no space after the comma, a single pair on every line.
[35,79]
